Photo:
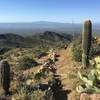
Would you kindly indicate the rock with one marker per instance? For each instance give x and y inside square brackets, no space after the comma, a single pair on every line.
[27,98]
[44,87]
[97,40]
[85,96]
[97,59]
[92,62]
[54,56]
[95,97]
[48,94]
[29,82]
[41,67]
[4,98]
[46,64]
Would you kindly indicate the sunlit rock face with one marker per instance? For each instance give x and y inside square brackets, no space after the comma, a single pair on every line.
[85,96]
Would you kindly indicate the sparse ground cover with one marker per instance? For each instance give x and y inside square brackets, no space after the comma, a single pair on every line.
[67,70]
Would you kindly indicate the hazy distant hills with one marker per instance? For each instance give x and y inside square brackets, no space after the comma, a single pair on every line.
[38,27]
[42,26]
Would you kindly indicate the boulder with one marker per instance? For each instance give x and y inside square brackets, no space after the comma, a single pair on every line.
[29,82]
[95,97]
[4,98]
[85,96]
[44,87]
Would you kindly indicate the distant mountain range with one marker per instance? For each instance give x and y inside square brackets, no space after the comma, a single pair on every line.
[12,40]
[37,27]
[44,39]
[42,26]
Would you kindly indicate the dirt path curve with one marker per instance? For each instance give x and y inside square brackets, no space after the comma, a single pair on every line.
[65,67]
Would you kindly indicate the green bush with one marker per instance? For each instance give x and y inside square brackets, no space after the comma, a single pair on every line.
[26,62]
[77,52]
[95,50]
[39,75]
[23,93]
[39,54]
[4,50]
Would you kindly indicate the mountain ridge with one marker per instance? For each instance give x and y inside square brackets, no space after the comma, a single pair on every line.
[15,40]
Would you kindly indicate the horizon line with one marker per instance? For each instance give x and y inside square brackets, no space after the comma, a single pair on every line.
[44,22]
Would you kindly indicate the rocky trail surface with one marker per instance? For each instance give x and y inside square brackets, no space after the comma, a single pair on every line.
[67,69]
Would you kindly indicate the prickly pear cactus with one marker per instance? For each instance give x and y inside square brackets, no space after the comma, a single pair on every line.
[5,76]
[92,80]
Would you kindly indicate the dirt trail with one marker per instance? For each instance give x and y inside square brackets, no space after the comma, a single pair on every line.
[65,67]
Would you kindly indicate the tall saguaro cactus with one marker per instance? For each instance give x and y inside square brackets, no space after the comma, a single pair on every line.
[5,76]
[86,42]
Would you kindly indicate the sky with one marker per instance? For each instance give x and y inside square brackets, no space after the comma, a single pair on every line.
[65,11]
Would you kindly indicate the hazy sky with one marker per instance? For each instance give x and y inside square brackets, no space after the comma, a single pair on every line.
[49,10]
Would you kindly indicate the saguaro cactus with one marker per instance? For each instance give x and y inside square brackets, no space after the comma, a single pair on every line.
[86,42]
[5,76]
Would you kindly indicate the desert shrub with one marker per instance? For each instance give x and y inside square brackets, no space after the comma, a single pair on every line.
[39,75]
[37,95]
[4,50]
[26,62]
[39,54]
[23,93]
[77,52]
[95,50]
[1,57]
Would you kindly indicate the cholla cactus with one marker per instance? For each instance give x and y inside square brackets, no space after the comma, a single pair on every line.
[86,42]
[5,76]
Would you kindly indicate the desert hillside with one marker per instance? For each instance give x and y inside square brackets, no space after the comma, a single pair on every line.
[66,71]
